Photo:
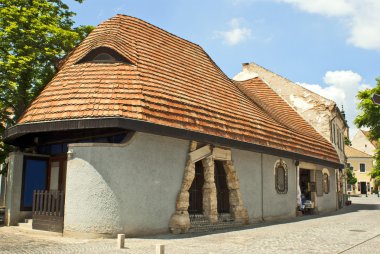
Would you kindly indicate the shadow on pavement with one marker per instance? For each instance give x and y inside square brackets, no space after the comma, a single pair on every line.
[355,207]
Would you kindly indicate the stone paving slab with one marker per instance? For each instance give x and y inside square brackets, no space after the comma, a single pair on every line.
[354,229]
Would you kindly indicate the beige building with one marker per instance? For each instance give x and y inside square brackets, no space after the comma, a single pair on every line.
[362,142]
[362,164]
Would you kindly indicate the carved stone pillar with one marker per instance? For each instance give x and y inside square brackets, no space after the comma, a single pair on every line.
[237,209]
[180,220]
[210,209]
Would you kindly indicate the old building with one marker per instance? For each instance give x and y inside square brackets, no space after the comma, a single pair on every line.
[321,113]
[362,142]
[361,163]
[140,132]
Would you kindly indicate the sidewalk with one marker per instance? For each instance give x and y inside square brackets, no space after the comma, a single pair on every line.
[354,229]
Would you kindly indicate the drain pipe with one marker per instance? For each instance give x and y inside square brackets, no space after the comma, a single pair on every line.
[297,163]
[262,187]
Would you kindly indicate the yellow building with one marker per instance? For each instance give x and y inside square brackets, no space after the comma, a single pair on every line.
[362,164]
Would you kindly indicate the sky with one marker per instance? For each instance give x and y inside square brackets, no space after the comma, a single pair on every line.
[331,47]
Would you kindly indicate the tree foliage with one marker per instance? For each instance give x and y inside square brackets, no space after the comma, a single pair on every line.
[35,36]
[370,118]
[351,179]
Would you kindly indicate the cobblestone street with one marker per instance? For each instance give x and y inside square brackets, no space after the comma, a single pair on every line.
[354,229]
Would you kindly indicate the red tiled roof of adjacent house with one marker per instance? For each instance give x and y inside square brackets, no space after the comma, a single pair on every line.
[171,82]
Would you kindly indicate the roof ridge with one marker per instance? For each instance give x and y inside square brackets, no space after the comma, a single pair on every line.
[279,75]
[162,29]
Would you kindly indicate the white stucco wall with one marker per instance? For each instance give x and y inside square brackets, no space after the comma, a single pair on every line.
[328,202]
[248,168]
[13,215]
[130,189]
[277,206]
[262,201]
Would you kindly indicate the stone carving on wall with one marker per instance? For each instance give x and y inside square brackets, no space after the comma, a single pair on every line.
[180,220]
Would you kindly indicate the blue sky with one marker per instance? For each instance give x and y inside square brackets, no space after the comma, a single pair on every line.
[330,46]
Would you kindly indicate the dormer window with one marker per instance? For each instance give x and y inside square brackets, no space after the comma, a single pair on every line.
[104,55]
[104,58]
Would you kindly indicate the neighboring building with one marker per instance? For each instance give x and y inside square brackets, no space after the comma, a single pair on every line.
[361,163]
[362,142]
[321,113]
[143,133]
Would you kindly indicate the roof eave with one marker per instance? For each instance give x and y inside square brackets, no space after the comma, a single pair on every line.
[142,126]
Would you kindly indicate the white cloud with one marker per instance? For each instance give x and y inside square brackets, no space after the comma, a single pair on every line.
[341,87]
[361,17]
[235,34]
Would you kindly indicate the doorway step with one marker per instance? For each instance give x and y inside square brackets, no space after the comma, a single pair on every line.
[27,224]
[200,223]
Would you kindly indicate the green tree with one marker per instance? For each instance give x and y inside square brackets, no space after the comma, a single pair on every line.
[351,179]
[35,36]
[370,118]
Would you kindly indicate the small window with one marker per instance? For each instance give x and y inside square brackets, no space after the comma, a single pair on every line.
[104,55]
[104,58]
[326,183]
[281,175]
[362,167]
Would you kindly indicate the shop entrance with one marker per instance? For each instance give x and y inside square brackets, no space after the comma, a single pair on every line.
[305,185]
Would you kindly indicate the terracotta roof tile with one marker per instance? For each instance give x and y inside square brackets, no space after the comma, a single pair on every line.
[170,82]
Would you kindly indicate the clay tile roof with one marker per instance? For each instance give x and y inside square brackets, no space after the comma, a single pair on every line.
[277,108]
[352,152]
[171,82]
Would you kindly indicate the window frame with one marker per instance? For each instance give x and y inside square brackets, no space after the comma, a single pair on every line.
[360,167]
[281,164]
[326,183]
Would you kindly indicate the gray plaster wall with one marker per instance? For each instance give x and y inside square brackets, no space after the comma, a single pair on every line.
[257,186]
[278,206]
[328,202]
[248,168]
[13,215]
[127,189]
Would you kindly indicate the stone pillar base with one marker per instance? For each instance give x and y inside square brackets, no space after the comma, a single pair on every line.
[179,223]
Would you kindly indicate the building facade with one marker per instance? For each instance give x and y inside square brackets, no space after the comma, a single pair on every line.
[141,133]
[361,164]
[362,142]
[321,113]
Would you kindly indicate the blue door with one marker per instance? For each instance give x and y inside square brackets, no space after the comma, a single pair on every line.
[35,177]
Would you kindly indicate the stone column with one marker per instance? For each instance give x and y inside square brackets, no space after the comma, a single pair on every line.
[210,209]
[180,220]
[238,211]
